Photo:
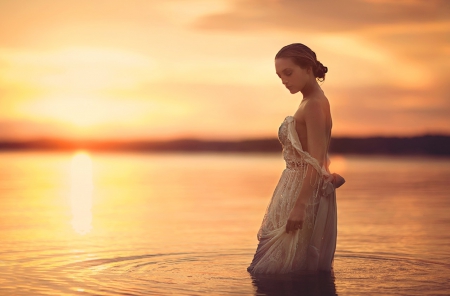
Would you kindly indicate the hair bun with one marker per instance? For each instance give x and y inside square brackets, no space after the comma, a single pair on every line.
[320,71]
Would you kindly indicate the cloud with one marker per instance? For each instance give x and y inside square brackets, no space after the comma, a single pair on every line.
[427,51]
[168,69]
[75,68]
[388,59]
[389,110]
[408,40]
[322,15]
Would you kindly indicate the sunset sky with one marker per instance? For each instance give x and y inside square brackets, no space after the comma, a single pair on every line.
[142,69]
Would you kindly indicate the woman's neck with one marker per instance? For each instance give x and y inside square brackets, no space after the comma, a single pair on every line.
[310,88]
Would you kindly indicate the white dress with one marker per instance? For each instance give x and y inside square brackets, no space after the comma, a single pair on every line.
[312,247]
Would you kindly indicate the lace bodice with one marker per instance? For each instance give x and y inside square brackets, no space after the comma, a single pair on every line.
[294,155]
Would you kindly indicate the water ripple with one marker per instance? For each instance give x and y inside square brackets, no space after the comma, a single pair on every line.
[222,272]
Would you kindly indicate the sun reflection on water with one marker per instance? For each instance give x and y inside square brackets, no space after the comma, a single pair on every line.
[81,187]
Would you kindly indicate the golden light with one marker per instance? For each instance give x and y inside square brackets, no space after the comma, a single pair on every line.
[350,51]
[151,71]
[81,192]
[78,86]
[338,164]
[85,111]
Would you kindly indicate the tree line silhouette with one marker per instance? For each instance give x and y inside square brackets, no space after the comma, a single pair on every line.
[417,145]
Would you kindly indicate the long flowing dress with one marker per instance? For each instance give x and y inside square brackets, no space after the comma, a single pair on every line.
[312,247]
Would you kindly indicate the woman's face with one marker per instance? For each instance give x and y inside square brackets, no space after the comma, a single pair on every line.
[292,76]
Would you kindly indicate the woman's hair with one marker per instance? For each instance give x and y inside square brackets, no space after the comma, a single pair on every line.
[303,56]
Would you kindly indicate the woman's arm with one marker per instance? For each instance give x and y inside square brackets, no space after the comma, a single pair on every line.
[315,120]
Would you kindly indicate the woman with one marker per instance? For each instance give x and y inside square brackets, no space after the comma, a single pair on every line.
[298,231]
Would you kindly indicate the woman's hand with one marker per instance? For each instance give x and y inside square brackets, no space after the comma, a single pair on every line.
[296,217]
[338,180]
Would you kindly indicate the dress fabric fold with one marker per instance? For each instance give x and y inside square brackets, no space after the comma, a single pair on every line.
[311,248]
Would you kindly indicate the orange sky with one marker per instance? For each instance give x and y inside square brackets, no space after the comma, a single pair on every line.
[141,69]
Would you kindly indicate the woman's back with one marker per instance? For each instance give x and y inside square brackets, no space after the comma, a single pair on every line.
[302,129]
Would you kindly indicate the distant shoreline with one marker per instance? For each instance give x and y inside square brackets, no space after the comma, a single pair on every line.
[417,145]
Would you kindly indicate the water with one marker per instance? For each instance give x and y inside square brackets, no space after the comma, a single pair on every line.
[186,224]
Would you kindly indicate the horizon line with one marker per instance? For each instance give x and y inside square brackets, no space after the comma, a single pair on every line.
[420,145]
[198,139]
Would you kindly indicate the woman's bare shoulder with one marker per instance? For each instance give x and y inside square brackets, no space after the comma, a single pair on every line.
[318,105]
[315,107]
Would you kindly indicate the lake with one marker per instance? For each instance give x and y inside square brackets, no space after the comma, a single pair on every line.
[85,223]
